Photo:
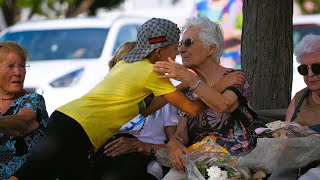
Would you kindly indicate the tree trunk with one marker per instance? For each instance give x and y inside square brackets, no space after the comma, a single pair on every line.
[266,51]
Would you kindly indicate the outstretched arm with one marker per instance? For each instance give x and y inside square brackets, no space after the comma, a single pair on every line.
[211,96]
[159,101]
[180,101]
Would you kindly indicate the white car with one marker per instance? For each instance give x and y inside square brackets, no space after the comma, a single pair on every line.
[68,57]
[302,25]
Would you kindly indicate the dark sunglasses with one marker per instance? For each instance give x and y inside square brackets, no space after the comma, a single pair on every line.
[303,69]
[187,42]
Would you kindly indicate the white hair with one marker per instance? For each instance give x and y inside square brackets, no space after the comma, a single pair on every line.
[308,44]
[211,34]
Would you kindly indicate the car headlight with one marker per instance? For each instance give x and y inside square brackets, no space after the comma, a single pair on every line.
[67,80]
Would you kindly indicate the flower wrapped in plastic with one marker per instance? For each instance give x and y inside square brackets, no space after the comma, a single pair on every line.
[210,161]
[286,148]
[162,154]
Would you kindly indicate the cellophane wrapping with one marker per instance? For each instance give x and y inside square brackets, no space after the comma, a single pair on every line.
[291,147]
[212,154]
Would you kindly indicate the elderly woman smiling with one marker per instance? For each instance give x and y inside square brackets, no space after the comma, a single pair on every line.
[201,47]
[23,115]
[305,106]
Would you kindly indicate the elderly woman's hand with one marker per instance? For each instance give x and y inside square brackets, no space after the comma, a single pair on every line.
[176,151]
[236,78]
[123,145]
[173,70]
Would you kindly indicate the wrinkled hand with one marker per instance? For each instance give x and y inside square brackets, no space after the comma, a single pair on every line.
[235,78]
[176,151]
[123,145]
[173,70]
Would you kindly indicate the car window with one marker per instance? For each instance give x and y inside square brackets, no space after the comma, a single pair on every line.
[299,31]
[60,44]
[126,33]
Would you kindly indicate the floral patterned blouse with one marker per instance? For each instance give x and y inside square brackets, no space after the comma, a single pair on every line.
[231,132]
[14,150]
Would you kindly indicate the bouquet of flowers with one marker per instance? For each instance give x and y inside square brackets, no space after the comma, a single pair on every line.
[210,161]
[215,173]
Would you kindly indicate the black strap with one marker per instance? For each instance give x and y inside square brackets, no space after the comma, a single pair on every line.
[242,100]
[297,109]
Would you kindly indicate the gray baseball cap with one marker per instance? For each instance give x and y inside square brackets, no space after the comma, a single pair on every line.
[153,34]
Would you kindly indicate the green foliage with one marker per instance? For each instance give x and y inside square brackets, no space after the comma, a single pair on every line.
[231,172]
[110,4]
[29,3]
[107,4]
[53,8]
[309,6]
[202,167]
[2,2]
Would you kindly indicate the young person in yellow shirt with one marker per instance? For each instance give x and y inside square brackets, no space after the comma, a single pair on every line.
[86,123]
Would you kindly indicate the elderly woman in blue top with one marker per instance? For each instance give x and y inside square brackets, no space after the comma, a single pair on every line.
[23,115]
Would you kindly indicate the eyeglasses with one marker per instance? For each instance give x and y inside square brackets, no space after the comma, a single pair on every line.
[303,69]
[187,42]
[23,67]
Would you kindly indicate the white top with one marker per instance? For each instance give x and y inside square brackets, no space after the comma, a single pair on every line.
[153,131]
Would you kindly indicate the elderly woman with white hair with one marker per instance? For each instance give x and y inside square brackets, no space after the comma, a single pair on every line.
[304,108]
[201,47]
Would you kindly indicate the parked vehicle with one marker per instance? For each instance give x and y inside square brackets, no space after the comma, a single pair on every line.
[68,57]
[302,25]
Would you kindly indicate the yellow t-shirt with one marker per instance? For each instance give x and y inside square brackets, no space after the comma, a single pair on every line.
[116,100]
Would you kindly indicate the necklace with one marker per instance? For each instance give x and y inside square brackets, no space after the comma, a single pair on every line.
[217,75]
[6,102]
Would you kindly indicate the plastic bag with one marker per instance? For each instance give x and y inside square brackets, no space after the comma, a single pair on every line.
[204,140]
[204,154]
[162,157]
[294,147]
[162,154]
[212,154]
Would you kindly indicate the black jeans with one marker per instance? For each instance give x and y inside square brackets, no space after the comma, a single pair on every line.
[62,152]
[131,166]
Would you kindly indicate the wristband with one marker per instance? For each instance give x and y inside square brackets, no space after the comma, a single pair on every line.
[197,85]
